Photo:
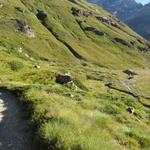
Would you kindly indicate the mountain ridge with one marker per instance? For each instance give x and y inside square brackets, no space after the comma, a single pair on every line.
[140,22]
[120,8]
[127,10]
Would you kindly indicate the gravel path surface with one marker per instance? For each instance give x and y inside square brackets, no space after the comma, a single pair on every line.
[15,130]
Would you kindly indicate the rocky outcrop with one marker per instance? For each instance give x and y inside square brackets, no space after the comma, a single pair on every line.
[23,27]
[86,28]
[85,13]
[63,79]
[41,15]
[123,42]
[81,12]
[94,30]
[108,21]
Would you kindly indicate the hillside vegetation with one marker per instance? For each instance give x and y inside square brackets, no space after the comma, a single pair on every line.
[40,40]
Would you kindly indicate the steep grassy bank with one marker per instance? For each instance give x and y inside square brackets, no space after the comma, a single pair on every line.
[62,36]
[64,118]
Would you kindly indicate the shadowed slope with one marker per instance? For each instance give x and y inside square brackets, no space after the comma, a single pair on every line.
[15,130]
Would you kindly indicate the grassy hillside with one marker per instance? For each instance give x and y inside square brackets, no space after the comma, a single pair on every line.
[74,37]
[58,33]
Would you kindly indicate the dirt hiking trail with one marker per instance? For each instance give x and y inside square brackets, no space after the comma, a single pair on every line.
[15,129]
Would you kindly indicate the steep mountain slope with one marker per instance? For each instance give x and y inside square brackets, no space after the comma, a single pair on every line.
[120,8]
[67,62]
[140,22]
[134,14]
[62,31]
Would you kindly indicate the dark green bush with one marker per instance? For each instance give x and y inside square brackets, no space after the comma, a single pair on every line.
[16,65]
[112,109]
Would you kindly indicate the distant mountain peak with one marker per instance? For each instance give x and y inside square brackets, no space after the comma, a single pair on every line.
[120,8]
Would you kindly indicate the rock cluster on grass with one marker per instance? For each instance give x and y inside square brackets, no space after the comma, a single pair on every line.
[68,80]
[81,12]
[23,27]
[86,13]
[84,27]
[123,42]
[108,21]
[94,30]
[63,79]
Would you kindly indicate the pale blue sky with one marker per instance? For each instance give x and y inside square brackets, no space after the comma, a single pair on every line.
[143,1]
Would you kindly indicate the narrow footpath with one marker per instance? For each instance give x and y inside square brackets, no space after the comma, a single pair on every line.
[15,129]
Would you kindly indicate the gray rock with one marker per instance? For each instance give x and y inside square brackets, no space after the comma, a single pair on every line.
[63,79]
[108,21]
[25,28]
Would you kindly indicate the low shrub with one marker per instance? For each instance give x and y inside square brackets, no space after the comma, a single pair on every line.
[16,65]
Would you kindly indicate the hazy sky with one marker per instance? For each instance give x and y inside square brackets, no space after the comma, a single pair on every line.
[143,1]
